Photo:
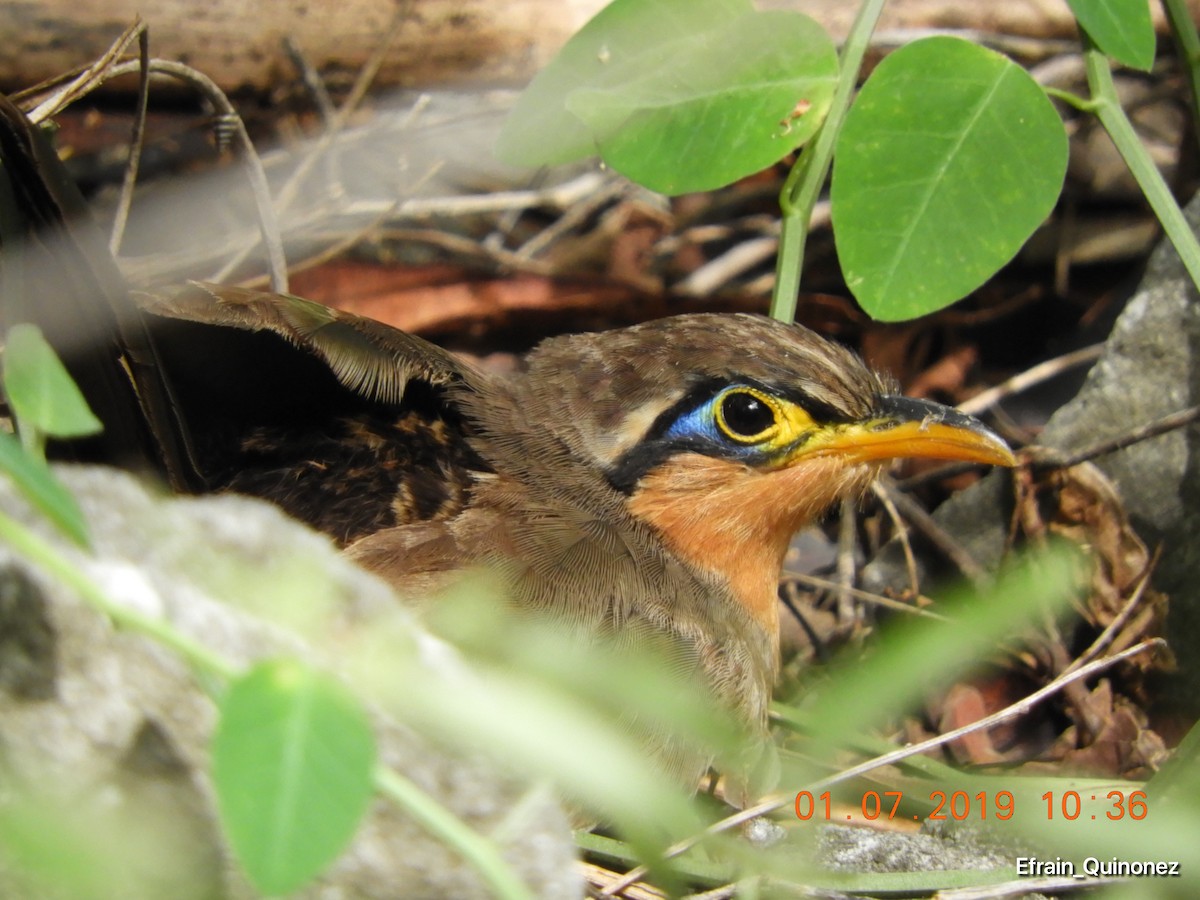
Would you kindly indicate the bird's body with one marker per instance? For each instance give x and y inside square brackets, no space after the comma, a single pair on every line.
[639,485]
[635,484]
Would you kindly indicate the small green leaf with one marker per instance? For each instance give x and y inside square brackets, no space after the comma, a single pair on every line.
[41,391]
[713,107]
[1121,29]
[949,159]
[34,479]
[540,131]
[293,756]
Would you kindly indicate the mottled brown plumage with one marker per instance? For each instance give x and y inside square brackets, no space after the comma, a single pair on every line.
[640,484]
[592,481]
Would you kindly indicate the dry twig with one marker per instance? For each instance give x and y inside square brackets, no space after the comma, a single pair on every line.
[924,522]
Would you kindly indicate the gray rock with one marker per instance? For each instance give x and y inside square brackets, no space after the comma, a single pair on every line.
[113,728]
[844,848]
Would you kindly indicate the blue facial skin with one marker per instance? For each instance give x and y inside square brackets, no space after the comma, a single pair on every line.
[698,428]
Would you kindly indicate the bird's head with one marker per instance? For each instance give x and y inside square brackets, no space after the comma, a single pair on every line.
[726,434]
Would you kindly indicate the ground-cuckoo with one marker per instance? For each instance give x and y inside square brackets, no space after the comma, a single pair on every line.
[642,480]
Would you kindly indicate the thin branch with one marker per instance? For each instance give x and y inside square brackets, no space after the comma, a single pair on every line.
[866,596]
[1050,458]
[717,273]
[814,639]
[311,79]
[1110,631]
[572,217]
[291,189]
[599,878]
[268,225]
[88,79]
[343,243]
[924,522]
[910,559]
[846,567]
[1044,371]
[136,145]
[1012,711]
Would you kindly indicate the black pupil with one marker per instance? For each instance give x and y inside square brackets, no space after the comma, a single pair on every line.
[746,415]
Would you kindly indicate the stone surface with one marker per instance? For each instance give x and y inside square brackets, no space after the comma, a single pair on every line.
[113,728]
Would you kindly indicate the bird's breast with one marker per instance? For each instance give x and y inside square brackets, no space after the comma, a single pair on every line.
[734,522]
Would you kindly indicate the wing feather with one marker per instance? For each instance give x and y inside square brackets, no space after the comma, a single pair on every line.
[369,358]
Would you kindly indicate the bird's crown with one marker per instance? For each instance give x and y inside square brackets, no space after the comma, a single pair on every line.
[739,387]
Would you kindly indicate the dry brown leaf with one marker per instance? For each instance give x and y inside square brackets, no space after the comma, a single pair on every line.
[1125,746]
[1082,505]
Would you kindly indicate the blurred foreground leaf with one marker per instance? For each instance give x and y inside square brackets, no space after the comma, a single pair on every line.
[37,483]
[920,655]
[679,95]
[550,707]
[292,762]
[42,393]
[99,843]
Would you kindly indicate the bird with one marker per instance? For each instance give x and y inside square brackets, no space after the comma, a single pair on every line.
[641,481]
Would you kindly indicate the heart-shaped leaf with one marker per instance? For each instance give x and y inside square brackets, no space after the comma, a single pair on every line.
[948,160]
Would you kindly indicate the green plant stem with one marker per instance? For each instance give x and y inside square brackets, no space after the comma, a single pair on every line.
[444,825]
[804,182]
[1083,104]
[33,440]
[32,547]
[1108,110]
[1183,27]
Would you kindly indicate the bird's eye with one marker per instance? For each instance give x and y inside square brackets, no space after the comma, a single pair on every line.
[747,416]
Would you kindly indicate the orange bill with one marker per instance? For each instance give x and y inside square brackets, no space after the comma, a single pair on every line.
[906,428]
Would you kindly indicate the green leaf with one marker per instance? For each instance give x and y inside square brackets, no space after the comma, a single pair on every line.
[679,95]
[949,159]
[713,107]
[34,479]
[292,762]
[540,131]
[1120,28]
[41,391]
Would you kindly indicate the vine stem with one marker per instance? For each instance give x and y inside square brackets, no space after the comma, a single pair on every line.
[1183,27]
[1107,108]
[483,855]
[805,181]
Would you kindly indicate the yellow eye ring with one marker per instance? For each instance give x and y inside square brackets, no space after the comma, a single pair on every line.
[747,416]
